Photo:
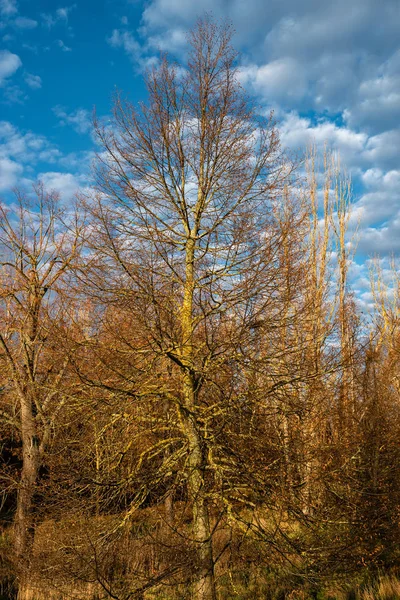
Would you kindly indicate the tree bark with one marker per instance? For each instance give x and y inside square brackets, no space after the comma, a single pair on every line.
[23,526]
[204,581]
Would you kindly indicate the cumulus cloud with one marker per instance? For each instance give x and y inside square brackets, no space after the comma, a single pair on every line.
[287,27]
[357,149]
[167,13]
[79,119]
[66,184]
[23,154]
[381,240]
[125,40]
[34,81]
[299,133]
[376,105]
[9,64]
[383,149]
[279,80]
[328,57]
[10,171]
[327,51]
[374,166]
[78,162]
[28,148]
[378,211]
[174,43]
[330,71]
[136,51]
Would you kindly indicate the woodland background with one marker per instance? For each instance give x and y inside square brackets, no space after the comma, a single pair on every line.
[191,404]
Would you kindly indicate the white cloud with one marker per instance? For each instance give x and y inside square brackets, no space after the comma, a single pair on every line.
[381,240]
[27,148]
[10,171]
[357,150]
[13,94]
[8,7]
[378,211]
[63,47]
[9,64]
[175,42]
[31,47]
[60,15]
[48,20]
[78,162]
[337,63]
[25,23]
[326,51]
[376,104]
[299,133]
[66,184]
[373,161]
[21,153]
[125,40]
[382,196]
[161,13]
[79,119]
[136,51]
[382,150]
[280,79]
[34,81]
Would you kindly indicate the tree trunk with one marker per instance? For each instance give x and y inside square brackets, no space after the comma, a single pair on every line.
[204,582]
[23,534]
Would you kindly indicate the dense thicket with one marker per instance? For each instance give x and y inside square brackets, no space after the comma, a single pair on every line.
[191,405]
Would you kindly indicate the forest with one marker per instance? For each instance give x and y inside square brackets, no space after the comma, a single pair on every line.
[192,404]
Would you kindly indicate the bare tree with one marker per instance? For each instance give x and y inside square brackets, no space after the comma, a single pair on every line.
[187,186]
[38,250]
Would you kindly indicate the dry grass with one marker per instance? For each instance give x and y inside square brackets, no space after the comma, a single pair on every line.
[45,592]
[146,546]
[387,588]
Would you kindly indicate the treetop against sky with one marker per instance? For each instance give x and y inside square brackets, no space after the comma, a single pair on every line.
[330,71]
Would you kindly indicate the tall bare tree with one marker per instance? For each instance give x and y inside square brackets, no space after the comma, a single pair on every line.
[187,185]
[38,249]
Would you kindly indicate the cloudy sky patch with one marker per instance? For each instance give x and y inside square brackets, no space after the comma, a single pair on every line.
[330,71]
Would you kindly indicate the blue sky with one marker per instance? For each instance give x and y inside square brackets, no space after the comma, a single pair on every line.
[331,72]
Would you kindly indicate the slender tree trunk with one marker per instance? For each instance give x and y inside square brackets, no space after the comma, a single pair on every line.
[286,452]
[30,443]
[23,532]
[168,501]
